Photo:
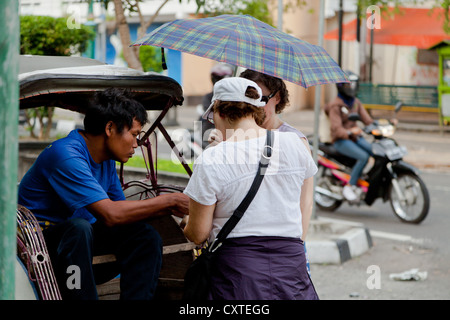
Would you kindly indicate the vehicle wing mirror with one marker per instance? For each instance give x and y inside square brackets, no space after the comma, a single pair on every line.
[398,106]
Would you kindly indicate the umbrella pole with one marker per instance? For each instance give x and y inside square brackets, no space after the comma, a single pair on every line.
[318,91]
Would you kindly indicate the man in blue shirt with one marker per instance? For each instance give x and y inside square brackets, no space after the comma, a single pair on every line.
[75,194]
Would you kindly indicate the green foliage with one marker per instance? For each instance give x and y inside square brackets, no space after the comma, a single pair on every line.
[42,35]
[166,165]
[150,58]
[445,4]
[256,8]
[39,114]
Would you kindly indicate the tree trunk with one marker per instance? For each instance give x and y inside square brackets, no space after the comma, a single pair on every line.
[145,24]
[48,127]
[131,54]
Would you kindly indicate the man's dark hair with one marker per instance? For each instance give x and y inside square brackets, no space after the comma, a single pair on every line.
[116,105]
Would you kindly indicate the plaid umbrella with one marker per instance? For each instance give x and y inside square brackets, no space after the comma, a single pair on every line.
[244,41]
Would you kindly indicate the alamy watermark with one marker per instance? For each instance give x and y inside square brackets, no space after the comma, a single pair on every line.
[74,279]
[374,20]
[374,280]
[74,18]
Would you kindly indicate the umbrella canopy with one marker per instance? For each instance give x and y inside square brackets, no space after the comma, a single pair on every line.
[244,41]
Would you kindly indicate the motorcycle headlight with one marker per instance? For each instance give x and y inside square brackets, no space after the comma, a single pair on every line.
[387,130]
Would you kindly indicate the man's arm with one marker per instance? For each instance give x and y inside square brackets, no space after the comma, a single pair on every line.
[128,211]
[365,117]
[337,128]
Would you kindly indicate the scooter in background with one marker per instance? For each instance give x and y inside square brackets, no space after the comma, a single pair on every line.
[390,178]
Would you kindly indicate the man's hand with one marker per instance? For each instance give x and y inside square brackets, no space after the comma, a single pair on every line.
[184,222]
[181,207]
[356,131]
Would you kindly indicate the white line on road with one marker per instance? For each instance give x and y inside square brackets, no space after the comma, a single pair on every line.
[375,233]
[394,236]
[439,188]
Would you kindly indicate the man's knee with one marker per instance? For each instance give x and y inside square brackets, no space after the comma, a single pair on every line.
[364,157]
[80,227]
[75,233]
[151,236]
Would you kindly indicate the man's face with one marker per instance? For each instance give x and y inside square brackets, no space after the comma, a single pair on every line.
[121,145]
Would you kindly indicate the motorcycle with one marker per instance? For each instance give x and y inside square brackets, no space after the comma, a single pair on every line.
[390,178]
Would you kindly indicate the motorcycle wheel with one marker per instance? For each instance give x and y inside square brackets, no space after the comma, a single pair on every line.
[324,202]
[417,200]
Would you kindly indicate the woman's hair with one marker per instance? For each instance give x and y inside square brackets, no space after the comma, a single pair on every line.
[237,110]
[272,83]
[116,105]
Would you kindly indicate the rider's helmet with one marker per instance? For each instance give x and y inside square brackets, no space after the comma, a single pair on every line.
[349,90]
[220,71]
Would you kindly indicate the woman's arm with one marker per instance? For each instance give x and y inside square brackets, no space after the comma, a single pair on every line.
[200,220]
[306,204]
[306,198]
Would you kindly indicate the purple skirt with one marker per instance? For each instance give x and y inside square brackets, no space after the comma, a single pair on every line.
[261,268]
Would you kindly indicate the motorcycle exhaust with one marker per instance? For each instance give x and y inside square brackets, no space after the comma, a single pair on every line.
[328,193]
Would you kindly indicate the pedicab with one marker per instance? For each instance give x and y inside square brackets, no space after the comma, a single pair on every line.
[69,83]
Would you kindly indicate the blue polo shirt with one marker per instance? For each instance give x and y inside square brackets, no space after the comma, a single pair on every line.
[65,179]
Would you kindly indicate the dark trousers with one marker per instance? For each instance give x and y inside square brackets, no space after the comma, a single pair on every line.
[73,243]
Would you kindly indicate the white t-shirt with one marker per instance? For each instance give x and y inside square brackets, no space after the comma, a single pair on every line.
[286,127]
[223,174]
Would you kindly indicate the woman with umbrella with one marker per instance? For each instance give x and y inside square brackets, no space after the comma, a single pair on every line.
[263,257]
[276,97]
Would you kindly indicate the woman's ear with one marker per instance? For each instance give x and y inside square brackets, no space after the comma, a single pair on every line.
[277,98]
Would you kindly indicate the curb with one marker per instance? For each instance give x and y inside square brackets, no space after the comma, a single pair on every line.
[335,242]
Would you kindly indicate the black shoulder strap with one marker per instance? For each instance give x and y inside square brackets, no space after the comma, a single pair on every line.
[239,212]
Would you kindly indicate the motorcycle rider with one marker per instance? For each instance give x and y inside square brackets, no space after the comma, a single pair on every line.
[345,134]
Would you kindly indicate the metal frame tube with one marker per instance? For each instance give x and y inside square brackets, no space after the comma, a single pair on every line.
[9,95]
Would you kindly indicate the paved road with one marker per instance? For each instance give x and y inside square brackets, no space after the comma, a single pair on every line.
[398,247]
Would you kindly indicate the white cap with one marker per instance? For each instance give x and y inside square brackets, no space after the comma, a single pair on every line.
[233,89]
